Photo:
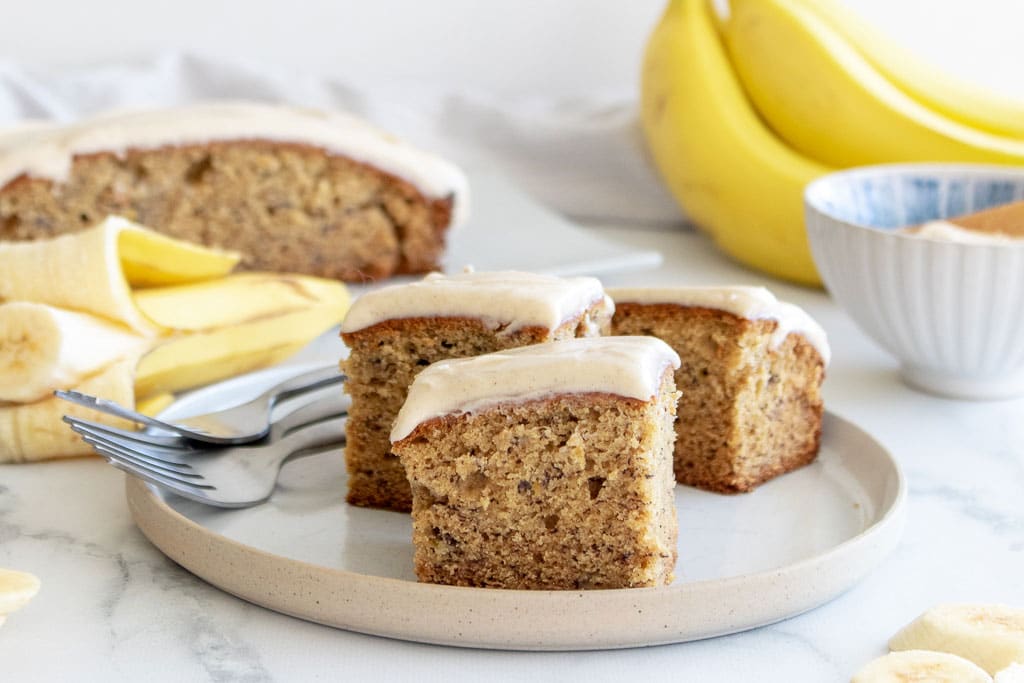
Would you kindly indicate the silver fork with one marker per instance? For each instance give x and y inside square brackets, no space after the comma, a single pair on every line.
[249,421]
[229,477]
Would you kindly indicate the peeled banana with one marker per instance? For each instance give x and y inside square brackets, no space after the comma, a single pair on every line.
[85,271]
[733,177]
[1011,674]
[830,103]
[16,589]
[923,666]
[34,431]
[991,636]
[43,348]
[954,98]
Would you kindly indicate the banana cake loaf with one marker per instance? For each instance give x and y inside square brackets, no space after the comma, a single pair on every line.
[544,467]
[751,374]
[293,190]
[395,332]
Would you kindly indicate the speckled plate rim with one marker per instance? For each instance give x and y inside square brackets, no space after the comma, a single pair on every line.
[532,620]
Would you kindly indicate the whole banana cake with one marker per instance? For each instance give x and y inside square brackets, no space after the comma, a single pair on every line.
[395,332]
[544,467]
[293,190]
[751,374]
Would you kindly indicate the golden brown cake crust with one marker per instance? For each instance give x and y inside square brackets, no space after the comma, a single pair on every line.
[286,207]
[748,413]
[569,492]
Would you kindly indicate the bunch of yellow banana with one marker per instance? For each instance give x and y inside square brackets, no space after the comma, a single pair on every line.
[124,313]
[741,113]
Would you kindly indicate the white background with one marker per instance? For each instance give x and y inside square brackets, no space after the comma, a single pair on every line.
[549,48]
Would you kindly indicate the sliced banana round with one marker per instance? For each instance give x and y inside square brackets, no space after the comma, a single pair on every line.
[922,666]
[991,636]
[16,589]
[1011,674]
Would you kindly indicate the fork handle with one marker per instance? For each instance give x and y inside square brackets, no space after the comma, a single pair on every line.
[109,407]
[325,432]
[306,382]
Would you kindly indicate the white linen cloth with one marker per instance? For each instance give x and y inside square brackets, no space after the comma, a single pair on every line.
[584,158]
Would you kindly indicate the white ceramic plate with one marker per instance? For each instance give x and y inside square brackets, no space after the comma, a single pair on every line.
[744,561]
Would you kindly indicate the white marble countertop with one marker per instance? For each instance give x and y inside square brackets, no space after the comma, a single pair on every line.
[112,608]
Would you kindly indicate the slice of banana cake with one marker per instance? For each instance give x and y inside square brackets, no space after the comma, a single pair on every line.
[751,374]
[395,332]
[544,467]
[292,190]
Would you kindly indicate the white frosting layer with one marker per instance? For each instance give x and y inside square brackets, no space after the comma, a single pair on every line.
[499,298]
[752,303]
[624,366]
[47,151]
[944,231]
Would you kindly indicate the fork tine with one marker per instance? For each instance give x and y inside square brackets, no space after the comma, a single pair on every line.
[171,468]
[197,494]
[166,479]
[165,440]
[195,491]
[177,456]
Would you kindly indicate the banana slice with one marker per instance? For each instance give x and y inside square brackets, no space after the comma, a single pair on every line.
[16,589]
[991,636]
[921,666]
[1011,674]
[43,348]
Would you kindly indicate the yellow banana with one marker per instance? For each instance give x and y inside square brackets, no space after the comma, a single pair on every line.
[959,100]
[732,176]
[234,299]
[824,98]
[43,349]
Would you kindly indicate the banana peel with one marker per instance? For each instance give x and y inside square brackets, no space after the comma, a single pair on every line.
[155,404]
[149,259]
[92,271]
[147,316]
[235,299]
[203,357]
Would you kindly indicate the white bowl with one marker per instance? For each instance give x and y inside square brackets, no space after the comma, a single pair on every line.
[952,313]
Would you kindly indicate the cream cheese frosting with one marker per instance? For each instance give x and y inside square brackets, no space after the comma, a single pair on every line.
[625,366]
[511,298]
[46,151]
[944,231]
[752,303]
